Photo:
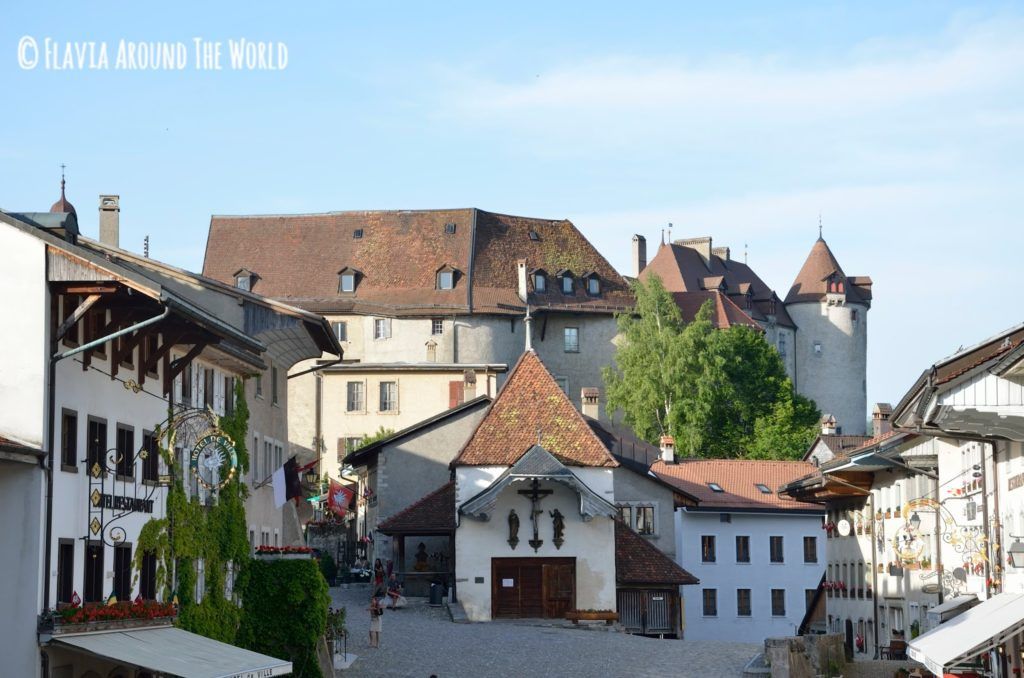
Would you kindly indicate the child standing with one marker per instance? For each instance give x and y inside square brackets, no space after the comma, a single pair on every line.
[376,612]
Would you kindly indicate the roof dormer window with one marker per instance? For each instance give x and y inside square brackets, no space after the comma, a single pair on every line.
[566,281]
[357,234]
[540,280]
[348,278]
[245,279]
[446,278]
[593,284]
[715,487]
[763,488]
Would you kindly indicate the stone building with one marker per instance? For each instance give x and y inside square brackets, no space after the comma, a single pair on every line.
[428,306]
[819,330]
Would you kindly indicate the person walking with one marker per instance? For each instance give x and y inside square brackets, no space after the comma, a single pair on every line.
[376,612]
[378,579]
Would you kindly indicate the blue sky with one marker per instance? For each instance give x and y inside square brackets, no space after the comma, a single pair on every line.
[902,125]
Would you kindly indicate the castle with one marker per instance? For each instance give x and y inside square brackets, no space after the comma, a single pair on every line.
[819,329]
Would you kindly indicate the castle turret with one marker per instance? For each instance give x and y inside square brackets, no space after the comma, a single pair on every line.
[830,312]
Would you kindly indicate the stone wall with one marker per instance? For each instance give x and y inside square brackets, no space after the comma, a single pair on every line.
[805,656]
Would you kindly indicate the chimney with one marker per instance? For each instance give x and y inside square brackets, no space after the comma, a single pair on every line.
[668,449]
[828,425]
[468,385]
[702,245]
[639,255]
[521,269]
[721,252]
[110,220]
[880,423]
[590,396]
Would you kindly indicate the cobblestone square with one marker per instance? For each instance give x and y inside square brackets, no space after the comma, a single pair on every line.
[420,640]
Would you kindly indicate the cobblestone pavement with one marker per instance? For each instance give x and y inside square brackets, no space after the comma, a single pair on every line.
[420,640]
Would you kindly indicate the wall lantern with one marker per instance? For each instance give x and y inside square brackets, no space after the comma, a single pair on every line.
[915,521]
[311,476]
[1016,552]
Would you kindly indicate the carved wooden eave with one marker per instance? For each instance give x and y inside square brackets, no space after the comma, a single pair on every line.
[538,464]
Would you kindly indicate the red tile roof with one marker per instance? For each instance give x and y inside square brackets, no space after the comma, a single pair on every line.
[433,514]
[724,314]
[637,561]
[17,446]
[298,257]
[738,478]
[531,404]
[811,284]
[683,269]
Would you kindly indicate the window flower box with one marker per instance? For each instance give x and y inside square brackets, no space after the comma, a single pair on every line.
[607,616]
[284,552]
[107,617]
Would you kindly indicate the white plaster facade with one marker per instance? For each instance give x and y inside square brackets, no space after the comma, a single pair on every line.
[590,543]
[760,576]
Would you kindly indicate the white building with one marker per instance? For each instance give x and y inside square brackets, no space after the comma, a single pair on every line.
[759,556]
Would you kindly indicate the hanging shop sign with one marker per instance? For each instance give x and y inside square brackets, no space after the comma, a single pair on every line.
[214,461]
[110,501]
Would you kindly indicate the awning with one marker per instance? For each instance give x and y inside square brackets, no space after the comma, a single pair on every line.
[174,652]
[964,637]
[952,608]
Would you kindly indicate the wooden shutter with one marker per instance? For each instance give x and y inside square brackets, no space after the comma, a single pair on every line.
[456,393]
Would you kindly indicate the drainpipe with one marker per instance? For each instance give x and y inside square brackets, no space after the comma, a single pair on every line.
[51,382]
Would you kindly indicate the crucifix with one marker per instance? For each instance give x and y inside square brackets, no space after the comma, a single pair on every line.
[535,494]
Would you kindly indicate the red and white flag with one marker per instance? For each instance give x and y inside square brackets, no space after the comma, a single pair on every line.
[338,498]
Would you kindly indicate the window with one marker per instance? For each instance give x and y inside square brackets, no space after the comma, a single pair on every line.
[593,285]
[563,383]
[268,457]
[357,234]
[95,320]
[382,328]
[763,489]
[151,464]
[534,236]
[707,548]
[742,549]
[817,347]
[69,441]
[254,456]
[567,284]
[259,385]
[572,340]
[437,326]
[388,396]
[775,548]
[742,602]
[208,378]
[645,519]
[725,517]
[449,228]
[347,282]
[626,515]
[123,571]
[97,444]
[278,456]
[125,452]
[715,487]
[148,349]
[540,283]
[445,280]
[354,399]
[853,314]
[710,600]
[229,396]
[93,589]
[147,576]
[353,443]
[809,599]
[810,549]
[340,330]
[65,570]
[273,385]
[782,345]
[243,282]
[778,602]
[186,385]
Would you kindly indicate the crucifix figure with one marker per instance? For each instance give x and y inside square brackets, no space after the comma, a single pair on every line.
[535,494]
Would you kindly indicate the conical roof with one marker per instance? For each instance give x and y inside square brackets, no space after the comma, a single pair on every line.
[62,206]
[811,282]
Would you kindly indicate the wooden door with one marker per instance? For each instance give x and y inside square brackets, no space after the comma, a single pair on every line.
[559,589]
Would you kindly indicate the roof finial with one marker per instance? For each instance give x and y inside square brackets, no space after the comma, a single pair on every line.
[663,236]
[528,322]
[670,231]
[62,167]
[744,254]
[819,226]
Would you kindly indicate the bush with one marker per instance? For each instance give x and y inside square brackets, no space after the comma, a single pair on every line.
[284,612]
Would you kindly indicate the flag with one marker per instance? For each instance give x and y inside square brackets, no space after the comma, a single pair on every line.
[286,483]
[338,498]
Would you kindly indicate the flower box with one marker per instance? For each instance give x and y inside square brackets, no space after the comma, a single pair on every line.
[101,617]
[284,552]
[607,616]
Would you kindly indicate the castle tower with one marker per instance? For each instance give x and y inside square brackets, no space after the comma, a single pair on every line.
[830,311]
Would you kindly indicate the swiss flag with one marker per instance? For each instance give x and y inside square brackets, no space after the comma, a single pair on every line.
[338,498]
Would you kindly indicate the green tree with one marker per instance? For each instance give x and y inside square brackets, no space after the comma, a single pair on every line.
[719,393]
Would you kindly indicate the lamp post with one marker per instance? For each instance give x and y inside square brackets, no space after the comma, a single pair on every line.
[1016,552]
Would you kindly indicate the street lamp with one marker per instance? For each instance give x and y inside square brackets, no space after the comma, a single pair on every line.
[915,521]
[1016,552]
[311,476]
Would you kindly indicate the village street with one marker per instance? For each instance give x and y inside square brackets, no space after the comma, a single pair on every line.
[420,641]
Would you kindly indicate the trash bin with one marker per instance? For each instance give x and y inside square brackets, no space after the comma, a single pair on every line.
[436,595]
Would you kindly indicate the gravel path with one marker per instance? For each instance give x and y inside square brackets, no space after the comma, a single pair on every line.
[420,641]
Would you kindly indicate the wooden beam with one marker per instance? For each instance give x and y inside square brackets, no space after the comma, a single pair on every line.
[169,340]
[177,366]
[90,289]
[76,315]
